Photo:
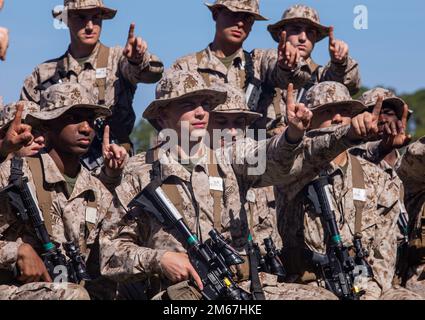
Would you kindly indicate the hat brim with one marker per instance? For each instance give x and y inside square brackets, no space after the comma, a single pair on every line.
[275,29]
[258,17]
[357,106]
[250,115]
[37,117]
[107,13]
[216,97]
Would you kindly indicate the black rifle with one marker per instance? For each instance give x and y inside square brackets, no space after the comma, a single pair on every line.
[27,211]
[362,268]
[270,262]
[253,86]
[337,266]
[402,264]
[93,159]
[211,260]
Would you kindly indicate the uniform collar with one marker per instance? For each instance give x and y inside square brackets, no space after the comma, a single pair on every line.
[385,166]
[171,167]
[210,61]
[311,65]
[53,176]
[71,64]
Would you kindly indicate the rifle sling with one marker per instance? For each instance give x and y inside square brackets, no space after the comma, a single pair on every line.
[102,63]
[44,196]
[170,188]
[357,174]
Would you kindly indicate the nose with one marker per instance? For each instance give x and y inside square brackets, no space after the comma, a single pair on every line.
[233,131]
[39,140]
[302,37]
[337,119]
[89,25]
[85,128]
[200,112]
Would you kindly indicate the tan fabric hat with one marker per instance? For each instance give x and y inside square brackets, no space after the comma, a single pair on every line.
[60,98]
[8,112]
[76,5]
[370,98]
[248,6]
[331,94]
[299,13]
[236,104]
[180,85]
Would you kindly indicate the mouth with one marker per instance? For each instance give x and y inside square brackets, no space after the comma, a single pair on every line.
[236,33]
[199,125]
[302,47]
[84,142]
[89,36]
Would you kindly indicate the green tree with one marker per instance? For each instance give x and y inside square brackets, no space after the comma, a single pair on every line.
[143,136]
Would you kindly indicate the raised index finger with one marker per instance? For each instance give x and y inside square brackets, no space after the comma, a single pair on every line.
[405,115]
[331,35]
[378,107]
[131,31]
[106,132]
[282,41]
[290,101]
[18,116]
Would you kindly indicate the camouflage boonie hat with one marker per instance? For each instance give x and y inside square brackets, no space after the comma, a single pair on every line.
[369,98]
[60,98]
[76,5]
[299,13]
[236,104]
[248,6]
[180,85]
[331,94]
[8,112]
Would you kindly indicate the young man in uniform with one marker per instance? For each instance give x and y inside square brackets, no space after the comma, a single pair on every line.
[361,198]
[303,30]
[70,199]
[137,247]
[112,74]
[226,61]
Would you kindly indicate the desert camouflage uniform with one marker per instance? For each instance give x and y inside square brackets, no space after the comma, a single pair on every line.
[133,249]
[410,169]
[44,291]
[346,73]
[122,76]
[8,112]
[73,217]
[265,67]
[300,225]
[68,220]
[147,241]
[371,151]
[259,203]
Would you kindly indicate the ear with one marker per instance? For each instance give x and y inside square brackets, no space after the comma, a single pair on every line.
[215,13]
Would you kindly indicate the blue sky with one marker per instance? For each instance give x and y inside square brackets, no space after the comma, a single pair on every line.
[390,51]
